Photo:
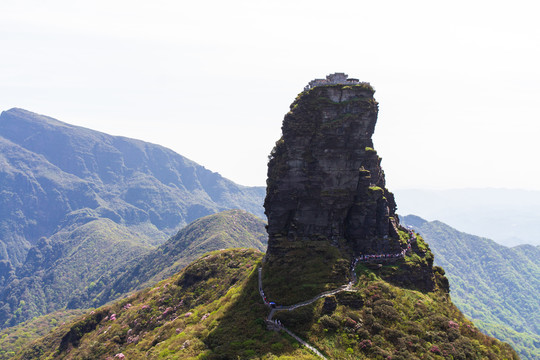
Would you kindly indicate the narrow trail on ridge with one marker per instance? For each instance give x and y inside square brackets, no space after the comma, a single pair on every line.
[277,325]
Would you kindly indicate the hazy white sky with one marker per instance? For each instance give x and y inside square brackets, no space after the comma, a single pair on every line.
[458,82]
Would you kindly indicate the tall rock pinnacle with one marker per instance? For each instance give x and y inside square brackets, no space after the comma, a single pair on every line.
[325,182]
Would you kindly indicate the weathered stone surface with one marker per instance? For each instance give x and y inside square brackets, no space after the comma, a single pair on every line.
[325,181]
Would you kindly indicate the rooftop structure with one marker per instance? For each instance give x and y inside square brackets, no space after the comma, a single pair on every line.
[332,79]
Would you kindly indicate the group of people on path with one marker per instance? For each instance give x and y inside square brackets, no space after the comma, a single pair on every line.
[368,257]
[264,297]
[266,302]
[363,257]
[279,325]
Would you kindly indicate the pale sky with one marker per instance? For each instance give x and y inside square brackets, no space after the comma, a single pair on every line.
[458,82]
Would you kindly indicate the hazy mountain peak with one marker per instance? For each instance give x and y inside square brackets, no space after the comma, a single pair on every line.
[56,177]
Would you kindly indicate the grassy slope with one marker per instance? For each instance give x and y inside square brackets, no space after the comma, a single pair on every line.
[82,257]
[15,339]
[212,310]
[308,269]
[227,229]
[497,287]
[232,228]
[167,321]
[383,321]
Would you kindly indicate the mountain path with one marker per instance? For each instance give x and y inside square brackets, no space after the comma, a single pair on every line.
[276,325]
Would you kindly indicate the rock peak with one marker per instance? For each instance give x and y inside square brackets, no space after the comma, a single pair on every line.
[325,182]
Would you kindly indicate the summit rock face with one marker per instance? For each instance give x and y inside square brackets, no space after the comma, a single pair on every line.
[325,181]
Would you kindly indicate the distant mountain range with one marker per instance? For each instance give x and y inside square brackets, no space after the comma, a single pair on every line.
[76,204]
[495,286]
[510,217]
[224,230]
[228,229]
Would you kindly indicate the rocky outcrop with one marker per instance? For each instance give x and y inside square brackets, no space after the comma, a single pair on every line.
[325,182]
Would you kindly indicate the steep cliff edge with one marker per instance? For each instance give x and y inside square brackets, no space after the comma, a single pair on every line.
[327,201]
[324,177]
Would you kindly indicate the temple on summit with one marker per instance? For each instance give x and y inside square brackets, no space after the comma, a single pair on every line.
[332,79]
[325,182]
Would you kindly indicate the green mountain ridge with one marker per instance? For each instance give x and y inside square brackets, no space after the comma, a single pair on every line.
[232,228]
[16,338]
[71,197]
[213,310]
[495,286]
[227,229]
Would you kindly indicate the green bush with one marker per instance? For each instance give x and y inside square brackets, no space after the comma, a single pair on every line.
[329,322]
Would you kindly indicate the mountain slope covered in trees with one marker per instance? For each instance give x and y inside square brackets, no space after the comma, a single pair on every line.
[75,204]
[228,229]
[224,230]
[495,286]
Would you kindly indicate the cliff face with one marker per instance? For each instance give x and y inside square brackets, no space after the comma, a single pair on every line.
[325,181]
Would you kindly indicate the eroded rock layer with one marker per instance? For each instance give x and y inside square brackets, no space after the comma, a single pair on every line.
[325,182]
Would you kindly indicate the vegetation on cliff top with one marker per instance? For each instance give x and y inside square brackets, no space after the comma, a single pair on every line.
[307,268]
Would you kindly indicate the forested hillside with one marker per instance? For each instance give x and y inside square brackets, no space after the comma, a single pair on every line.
[75,204]
[224,230]
[495,286]
[228,229]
